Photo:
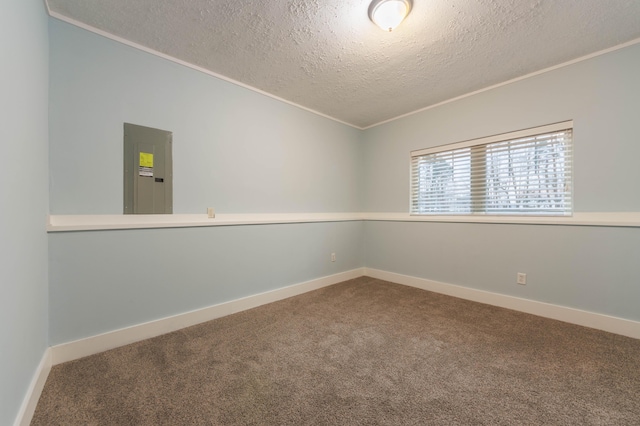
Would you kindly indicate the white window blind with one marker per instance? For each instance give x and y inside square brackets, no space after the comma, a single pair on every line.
[526,172]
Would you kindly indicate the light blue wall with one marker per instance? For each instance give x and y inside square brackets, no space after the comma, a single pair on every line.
[103,281]
[601,95]
[242,152]
[595,269]
[234,149]
[23,188]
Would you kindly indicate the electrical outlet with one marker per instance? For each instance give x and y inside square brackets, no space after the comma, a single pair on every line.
[333,257]
[522,278]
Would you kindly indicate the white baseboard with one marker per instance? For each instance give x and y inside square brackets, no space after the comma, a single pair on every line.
[561,313]
[34,391]
[113,339]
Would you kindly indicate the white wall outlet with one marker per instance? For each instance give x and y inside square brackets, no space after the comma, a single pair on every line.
[522,278]
[333,257]
[211,213]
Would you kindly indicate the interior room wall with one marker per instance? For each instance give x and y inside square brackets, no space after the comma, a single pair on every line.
[107,280]
[590,268]
[233,149]
[23,185]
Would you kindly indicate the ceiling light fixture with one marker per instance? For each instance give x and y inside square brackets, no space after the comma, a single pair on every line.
[388,14]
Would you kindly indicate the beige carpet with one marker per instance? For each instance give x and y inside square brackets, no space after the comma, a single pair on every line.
[360,352]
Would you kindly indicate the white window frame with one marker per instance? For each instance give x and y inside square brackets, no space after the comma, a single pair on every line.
[419,206]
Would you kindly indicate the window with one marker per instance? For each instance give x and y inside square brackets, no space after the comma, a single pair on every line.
[526,172]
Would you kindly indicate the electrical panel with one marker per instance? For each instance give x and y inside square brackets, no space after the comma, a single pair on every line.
[148,170]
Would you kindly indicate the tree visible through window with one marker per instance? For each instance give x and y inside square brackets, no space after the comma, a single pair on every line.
[525,172]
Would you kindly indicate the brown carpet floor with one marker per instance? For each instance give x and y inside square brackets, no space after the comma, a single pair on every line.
[362,352]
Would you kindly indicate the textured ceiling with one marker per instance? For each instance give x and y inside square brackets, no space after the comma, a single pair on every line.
[327,56]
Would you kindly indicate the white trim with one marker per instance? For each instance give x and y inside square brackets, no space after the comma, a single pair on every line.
[30,401]
[62,223]
[612,219]
[187,64]
[561,313]
[514,80]
[518,134]
[66,223]
[113,339]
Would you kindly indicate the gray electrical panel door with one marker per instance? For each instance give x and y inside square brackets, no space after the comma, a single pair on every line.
[148,174]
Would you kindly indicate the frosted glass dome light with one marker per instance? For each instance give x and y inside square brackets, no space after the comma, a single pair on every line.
[388,14]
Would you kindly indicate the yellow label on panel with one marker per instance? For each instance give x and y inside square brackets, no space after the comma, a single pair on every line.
[146,159]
